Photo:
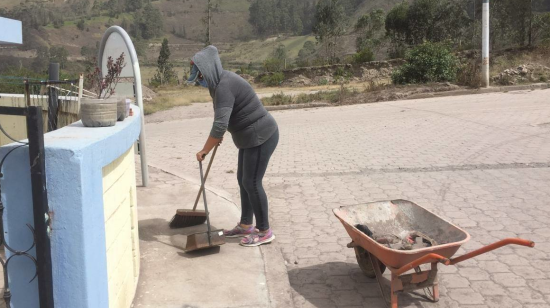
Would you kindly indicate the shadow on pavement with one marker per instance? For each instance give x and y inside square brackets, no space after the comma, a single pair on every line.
[157,230]
[200,253]
[337,284]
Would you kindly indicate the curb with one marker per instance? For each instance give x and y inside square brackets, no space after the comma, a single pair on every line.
[503,89]
[278,283]
[297,106]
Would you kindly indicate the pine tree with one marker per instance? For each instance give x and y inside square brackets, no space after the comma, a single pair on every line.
[165,70]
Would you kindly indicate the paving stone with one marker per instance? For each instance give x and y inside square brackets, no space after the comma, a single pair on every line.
[473,273]
[488,288]
[542,286]
[471,159]
[466,296]
[453,281]
[525,295]
[347,297]
[509,279]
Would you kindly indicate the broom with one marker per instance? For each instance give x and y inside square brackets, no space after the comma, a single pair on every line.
[188,218]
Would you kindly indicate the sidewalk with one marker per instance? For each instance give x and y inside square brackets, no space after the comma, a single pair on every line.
[231,276]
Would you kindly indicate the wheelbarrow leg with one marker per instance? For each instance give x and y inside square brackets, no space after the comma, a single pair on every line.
[435,288]
[394,289]
[376,266]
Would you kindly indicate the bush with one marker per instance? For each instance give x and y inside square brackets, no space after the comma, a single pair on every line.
[81,25]
[429,62]
[469,74]
[273,80]
[274,65]
[363,56]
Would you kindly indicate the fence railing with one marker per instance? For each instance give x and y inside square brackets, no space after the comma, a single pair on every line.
[59,100]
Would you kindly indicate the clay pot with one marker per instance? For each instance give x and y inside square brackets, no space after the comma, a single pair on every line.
[98,112]
[121,109]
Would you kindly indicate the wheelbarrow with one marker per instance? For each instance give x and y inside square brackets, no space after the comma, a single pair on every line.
[395,217]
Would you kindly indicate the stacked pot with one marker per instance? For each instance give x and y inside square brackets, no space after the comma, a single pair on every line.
[103,112]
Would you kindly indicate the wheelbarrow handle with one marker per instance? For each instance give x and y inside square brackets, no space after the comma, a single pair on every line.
[497,245]
[429,258]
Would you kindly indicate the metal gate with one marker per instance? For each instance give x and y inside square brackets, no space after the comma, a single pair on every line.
[41,214]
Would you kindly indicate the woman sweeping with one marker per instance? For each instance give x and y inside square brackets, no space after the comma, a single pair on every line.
[238,109]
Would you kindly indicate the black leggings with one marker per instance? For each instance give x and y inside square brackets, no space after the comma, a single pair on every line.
[252,166]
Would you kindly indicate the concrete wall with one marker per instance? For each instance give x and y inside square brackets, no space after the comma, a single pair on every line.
[121,230]
[79,162]
[16,127]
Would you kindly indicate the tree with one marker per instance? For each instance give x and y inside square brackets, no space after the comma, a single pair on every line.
[369,29]
[427,20]
[208,22]
[330,25]
[305,53]
[58,54]
[40,63]
[133,5]
[277,61]
[541,27]
[165,70]
[147,24]
[89,53]
[269,17]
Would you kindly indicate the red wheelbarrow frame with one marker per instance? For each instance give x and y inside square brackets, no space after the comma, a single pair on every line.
[399,262]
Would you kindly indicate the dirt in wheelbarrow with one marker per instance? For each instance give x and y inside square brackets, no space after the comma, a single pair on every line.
[405,240]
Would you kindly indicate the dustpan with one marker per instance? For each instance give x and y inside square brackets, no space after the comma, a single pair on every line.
[210,238]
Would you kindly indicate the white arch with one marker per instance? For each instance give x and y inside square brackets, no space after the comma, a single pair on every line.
[116,40]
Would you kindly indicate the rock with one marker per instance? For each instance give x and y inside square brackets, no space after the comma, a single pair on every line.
[148,94]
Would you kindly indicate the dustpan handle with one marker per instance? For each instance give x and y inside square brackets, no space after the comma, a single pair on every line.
[205,177]
[205,205]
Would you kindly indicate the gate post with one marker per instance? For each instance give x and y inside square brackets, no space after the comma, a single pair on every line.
[35,133]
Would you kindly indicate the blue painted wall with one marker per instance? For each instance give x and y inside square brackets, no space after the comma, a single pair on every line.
[75,156]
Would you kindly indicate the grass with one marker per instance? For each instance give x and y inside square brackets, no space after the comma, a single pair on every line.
[258,50]
[176,96]
[331,96]
[234,6]
[540,55]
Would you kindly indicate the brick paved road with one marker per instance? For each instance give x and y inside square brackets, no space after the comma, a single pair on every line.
[481,161]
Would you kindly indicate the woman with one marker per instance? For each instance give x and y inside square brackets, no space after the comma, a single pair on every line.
[238,109]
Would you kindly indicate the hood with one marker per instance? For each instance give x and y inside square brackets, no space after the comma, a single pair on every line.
[209,63]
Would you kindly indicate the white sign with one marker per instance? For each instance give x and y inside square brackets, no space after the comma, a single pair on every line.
[12,31]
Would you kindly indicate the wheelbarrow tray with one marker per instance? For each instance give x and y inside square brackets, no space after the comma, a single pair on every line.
[393,217]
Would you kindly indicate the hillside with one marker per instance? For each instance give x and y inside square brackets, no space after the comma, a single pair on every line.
[182,26]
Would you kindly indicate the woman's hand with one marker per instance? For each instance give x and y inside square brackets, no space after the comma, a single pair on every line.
[208,146]
[201,155]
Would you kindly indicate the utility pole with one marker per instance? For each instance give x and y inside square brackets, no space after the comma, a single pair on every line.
[485,45]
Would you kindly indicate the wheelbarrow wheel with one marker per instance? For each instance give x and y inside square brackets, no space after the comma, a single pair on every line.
[365,264]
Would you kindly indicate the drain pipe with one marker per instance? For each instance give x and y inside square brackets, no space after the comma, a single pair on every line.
[485,45]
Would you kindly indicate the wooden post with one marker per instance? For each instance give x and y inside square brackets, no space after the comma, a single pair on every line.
[53,102]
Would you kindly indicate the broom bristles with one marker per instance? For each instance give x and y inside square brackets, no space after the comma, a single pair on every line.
[184,221]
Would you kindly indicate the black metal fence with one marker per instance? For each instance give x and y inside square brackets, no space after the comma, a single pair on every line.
[41,213]
[58,99]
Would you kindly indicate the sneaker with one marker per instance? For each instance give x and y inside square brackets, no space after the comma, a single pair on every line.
[258,239]
[238,231]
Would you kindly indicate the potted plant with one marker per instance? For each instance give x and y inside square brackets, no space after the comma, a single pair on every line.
[103,111]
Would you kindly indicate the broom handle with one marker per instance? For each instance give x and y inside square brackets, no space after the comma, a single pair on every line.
[205,177]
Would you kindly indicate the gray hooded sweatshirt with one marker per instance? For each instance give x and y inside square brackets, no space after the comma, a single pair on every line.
[237,108]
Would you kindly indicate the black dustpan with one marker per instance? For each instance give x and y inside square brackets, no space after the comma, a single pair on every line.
[210,238]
